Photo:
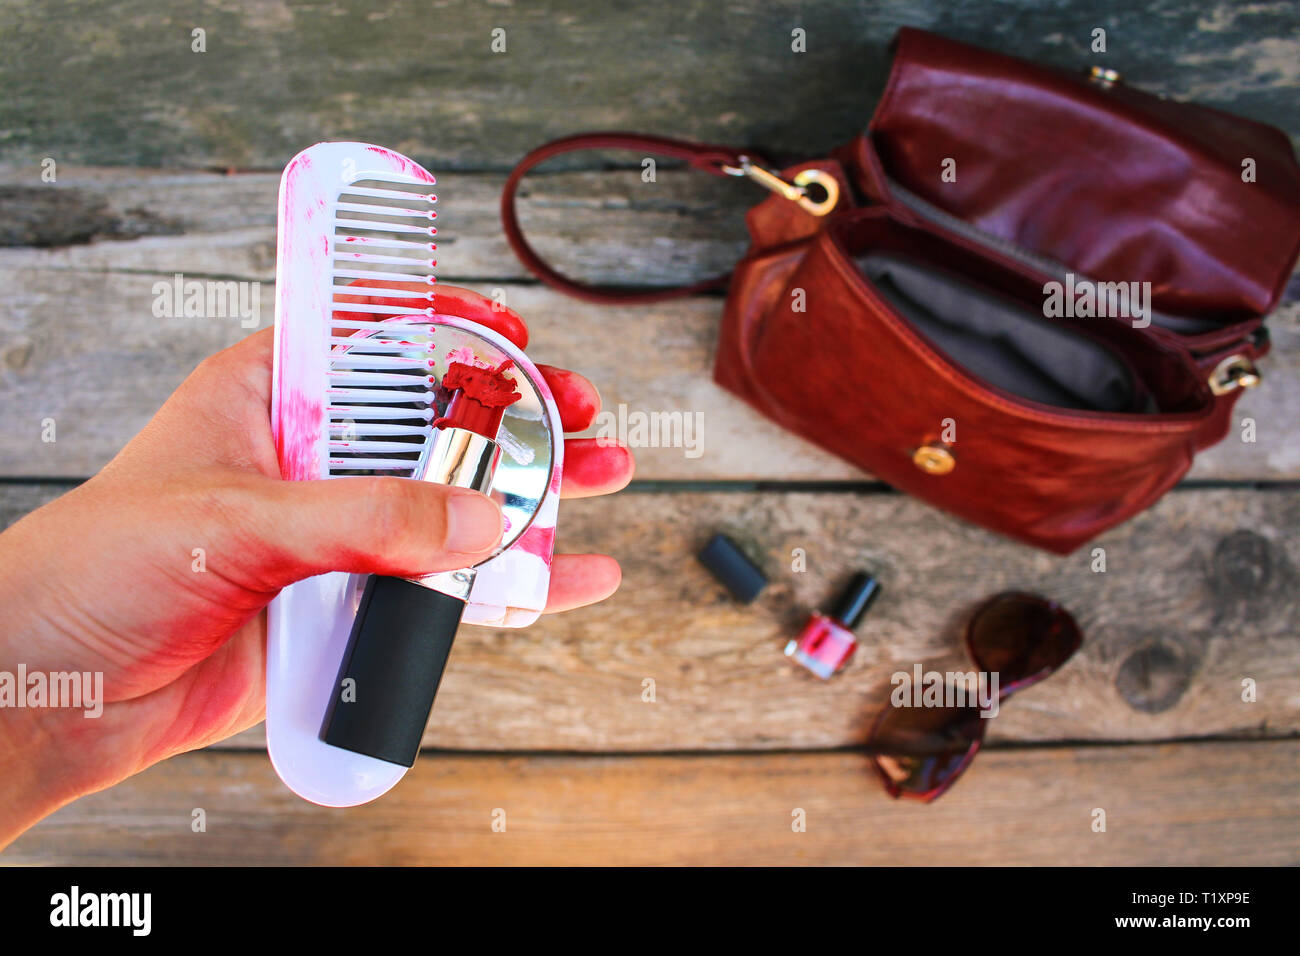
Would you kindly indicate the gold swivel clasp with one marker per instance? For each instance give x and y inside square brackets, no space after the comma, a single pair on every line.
[819,200]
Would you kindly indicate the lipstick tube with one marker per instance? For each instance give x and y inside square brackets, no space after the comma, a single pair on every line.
[404,628]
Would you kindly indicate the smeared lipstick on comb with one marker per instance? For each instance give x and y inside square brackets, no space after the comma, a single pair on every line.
[481,393]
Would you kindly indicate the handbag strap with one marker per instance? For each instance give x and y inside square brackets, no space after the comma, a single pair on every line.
[719,160]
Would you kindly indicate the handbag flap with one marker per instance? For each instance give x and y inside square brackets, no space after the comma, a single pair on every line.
[1113,183]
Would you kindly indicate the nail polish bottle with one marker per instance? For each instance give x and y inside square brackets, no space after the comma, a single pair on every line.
[826,641]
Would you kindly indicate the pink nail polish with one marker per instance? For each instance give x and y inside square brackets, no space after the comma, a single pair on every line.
[827,642]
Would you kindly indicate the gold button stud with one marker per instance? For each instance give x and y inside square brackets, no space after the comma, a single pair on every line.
[934,459]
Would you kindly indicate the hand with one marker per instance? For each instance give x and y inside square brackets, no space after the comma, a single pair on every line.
[103,579]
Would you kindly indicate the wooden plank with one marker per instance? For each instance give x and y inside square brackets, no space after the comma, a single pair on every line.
[1187,804]
[125,363]
[1199,593]
[1262,442]
[127,88]
[83,313]
[608,227]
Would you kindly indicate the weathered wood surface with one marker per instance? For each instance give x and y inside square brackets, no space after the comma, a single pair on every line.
[83,312]
[1192,804]
[1198,594]
[608,226]
[118,83]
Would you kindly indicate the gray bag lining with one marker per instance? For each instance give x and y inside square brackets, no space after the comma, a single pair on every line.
[1184,325]
[1004,344]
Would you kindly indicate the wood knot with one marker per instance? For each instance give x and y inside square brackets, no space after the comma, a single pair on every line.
[45,216]
[17,356]
[1154,677]
[1242,565]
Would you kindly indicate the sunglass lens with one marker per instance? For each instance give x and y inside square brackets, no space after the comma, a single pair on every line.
[1022,638]
[920,751]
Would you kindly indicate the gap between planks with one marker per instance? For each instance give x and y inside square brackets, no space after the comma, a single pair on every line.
[1200,593]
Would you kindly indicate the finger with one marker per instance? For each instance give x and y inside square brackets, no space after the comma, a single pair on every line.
[219,413]
[246,364]
[581,579]
[575,396]
[446,299]
[387,525]
[453,300]
[595,466]
[252,352]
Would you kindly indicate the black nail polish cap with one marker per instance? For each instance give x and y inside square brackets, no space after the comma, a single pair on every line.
[853,602]
[733,568]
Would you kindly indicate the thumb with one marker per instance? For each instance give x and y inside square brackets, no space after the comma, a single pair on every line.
[392,526]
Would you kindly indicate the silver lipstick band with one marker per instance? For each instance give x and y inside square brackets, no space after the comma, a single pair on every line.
[463,459]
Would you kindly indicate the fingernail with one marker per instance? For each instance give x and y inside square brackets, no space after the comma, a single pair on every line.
[473,522]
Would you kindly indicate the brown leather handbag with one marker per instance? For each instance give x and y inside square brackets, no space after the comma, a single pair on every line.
[1026,296]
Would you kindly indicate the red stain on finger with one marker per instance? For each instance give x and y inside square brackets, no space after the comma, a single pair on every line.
[594,467]
[453,300]
[446,299]
[575,396]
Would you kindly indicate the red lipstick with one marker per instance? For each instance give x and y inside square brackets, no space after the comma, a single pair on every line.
[479,398]
[404,627]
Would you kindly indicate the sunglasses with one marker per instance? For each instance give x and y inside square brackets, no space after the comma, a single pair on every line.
[920,752]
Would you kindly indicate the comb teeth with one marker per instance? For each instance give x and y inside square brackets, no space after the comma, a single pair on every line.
[381,391]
